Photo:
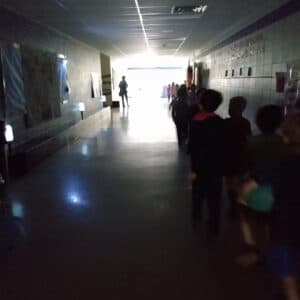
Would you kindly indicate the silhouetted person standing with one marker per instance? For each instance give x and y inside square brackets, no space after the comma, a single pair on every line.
[180,111]
[123,91]
[169,91]
[173,91]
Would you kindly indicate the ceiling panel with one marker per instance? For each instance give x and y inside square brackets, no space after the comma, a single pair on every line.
[114,26]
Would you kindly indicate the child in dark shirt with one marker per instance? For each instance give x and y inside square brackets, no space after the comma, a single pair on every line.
[264,152]
[207,138]
[238,131]
[266,148]
[285,225]
[180,115]
[195,106]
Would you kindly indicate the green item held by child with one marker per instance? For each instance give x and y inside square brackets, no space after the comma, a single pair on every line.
[261,199]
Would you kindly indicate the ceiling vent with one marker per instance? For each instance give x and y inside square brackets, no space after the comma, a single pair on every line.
[188,9]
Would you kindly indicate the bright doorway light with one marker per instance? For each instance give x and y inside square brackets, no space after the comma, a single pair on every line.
[152,82]
[148,74]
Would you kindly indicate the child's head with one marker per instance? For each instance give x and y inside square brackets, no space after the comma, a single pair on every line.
[193,88]
[182,92]
[269,118]
[211,100]
[200,92]
[291,129]
[237,105]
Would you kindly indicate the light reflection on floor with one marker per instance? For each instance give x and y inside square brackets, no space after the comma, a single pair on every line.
[109,217]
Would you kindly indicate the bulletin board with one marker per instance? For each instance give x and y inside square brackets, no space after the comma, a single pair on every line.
[13,77]
[41,85]
[2,97]
[63,80]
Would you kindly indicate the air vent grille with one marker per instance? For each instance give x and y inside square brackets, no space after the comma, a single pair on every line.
[188,9]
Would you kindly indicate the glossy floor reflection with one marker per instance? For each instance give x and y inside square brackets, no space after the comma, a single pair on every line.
[108,218]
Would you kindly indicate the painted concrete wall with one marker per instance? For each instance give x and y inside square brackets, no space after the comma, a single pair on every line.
[267,51]
[82,61]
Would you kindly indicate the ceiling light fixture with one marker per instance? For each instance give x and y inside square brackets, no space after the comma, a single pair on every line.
[180,46]
[204,8]
[189,10]
[194,11]
[61,4]
[197,9]
[142,24]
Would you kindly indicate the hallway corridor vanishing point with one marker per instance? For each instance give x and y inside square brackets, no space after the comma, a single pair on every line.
[109,218]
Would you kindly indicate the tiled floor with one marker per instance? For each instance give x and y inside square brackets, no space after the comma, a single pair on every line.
[108,218]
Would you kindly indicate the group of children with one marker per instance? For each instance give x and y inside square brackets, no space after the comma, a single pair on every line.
[261,173]
[183,107]
[172,90]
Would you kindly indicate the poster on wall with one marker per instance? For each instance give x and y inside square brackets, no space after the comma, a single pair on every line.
[13,77]
[41,85]
[2,97]
[198,75]
[292,88]
[64,86]
[96,90]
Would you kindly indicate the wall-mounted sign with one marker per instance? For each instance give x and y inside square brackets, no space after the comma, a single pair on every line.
[249,71]
[247,48]
[280,81]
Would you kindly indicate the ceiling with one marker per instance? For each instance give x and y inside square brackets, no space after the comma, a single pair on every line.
[114,26]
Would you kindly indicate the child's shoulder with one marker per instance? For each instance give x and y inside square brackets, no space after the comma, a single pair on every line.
[292,159]
[263,138]
[272,144]
[245,120]
[206,117]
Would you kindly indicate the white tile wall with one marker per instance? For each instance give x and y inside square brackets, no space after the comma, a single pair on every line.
[282,45]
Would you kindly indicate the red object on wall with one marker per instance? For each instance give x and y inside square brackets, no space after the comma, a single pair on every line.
[280,82]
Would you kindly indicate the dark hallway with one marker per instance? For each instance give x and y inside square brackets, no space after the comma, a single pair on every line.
[100,101]
[109,217]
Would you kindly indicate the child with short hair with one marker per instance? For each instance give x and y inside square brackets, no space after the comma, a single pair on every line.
[207,139]
[265,151]
[266,148]
[285,225]
[180,111]
[238,131]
